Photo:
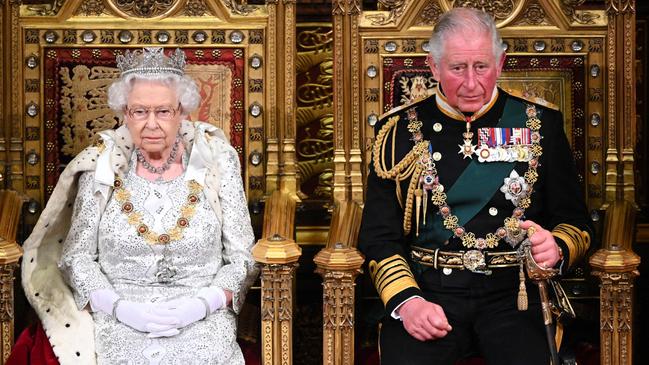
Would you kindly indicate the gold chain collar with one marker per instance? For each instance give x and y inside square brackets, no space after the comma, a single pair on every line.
[418,164]
[134,218]
[510,231]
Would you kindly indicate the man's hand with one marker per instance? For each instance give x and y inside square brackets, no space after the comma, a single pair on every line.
[424,320]
[545,250]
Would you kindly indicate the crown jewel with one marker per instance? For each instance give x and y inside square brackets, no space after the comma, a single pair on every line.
[151,60]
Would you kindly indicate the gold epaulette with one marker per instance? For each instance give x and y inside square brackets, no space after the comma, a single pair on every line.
[391,276]
[532,99]
[401,107]
[578,241]
[406,168]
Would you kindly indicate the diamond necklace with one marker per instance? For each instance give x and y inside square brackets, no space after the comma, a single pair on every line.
[165,166]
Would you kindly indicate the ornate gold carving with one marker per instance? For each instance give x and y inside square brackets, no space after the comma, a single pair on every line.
[143,9]
[256,36]
[276,312]
[7,291]
[616,266]
[581,17]
[195,8]
[91,8]
[316,40]
[10,252]
[256,85]
[338,314]
[371,46]
[520,45]
[558,45]
[616,311]
[239,8]
[339,264]
[616,7]
[338,7]
[278,253]
[324,170]
[500,10]
[534,14]
[430,13]
[595,45]
[314,97]
[49,9]
[395,9]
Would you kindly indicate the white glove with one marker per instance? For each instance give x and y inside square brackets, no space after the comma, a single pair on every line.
[191,309]
[103,300]
[214,296]
[145,318]
[139,316]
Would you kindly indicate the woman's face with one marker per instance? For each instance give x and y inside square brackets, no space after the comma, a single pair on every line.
[153,117]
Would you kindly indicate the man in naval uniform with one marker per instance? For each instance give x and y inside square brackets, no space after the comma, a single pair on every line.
[458,183]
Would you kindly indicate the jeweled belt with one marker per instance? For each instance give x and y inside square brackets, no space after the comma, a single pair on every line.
[472,260]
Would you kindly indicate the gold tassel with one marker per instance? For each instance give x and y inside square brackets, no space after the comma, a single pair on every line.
[418,194]
[522,292]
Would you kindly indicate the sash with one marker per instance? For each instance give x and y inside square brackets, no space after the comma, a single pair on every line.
[475,187]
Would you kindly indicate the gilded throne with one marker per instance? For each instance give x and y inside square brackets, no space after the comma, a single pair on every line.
[575,56]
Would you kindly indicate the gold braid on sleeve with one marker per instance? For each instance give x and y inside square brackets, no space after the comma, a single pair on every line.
[404,169]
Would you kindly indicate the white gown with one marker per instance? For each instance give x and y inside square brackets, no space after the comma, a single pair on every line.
[104,251]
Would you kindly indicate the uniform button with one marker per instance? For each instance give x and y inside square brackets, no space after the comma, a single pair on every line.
[437,156]
[437,127]
[493,211]
[447,271]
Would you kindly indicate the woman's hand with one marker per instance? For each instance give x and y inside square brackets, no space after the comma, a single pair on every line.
[145,318]
[192,309]
[138,316]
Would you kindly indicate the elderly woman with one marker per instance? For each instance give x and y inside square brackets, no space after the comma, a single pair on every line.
[142,255]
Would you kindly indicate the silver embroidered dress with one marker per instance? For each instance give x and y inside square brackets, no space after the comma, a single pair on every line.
[103,250]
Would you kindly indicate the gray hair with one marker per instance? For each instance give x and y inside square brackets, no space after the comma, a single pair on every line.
[185,87]
[463,20]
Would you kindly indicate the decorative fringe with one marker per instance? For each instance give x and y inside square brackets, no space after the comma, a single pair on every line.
[522,291]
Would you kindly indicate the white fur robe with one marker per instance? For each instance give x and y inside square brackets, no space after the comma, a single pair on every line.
[71,331]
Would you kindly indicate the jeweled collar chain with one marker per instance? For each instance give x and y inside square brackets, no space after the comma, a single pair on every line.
[428,183]
[159,170]
[134,218]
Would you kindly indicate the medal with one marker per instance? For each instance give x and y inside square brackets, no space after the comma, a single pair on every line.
[467,149]
[515,187]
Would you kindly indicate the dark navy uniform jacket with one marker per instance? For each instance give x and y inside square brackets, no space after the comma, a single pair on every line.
[557,202]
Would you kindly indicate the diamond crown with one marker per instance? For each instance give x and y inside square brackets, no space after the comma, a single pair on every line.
[151,60]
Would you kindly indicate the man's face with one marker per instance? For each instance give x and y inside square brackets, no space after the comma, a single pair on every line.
[467,70]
